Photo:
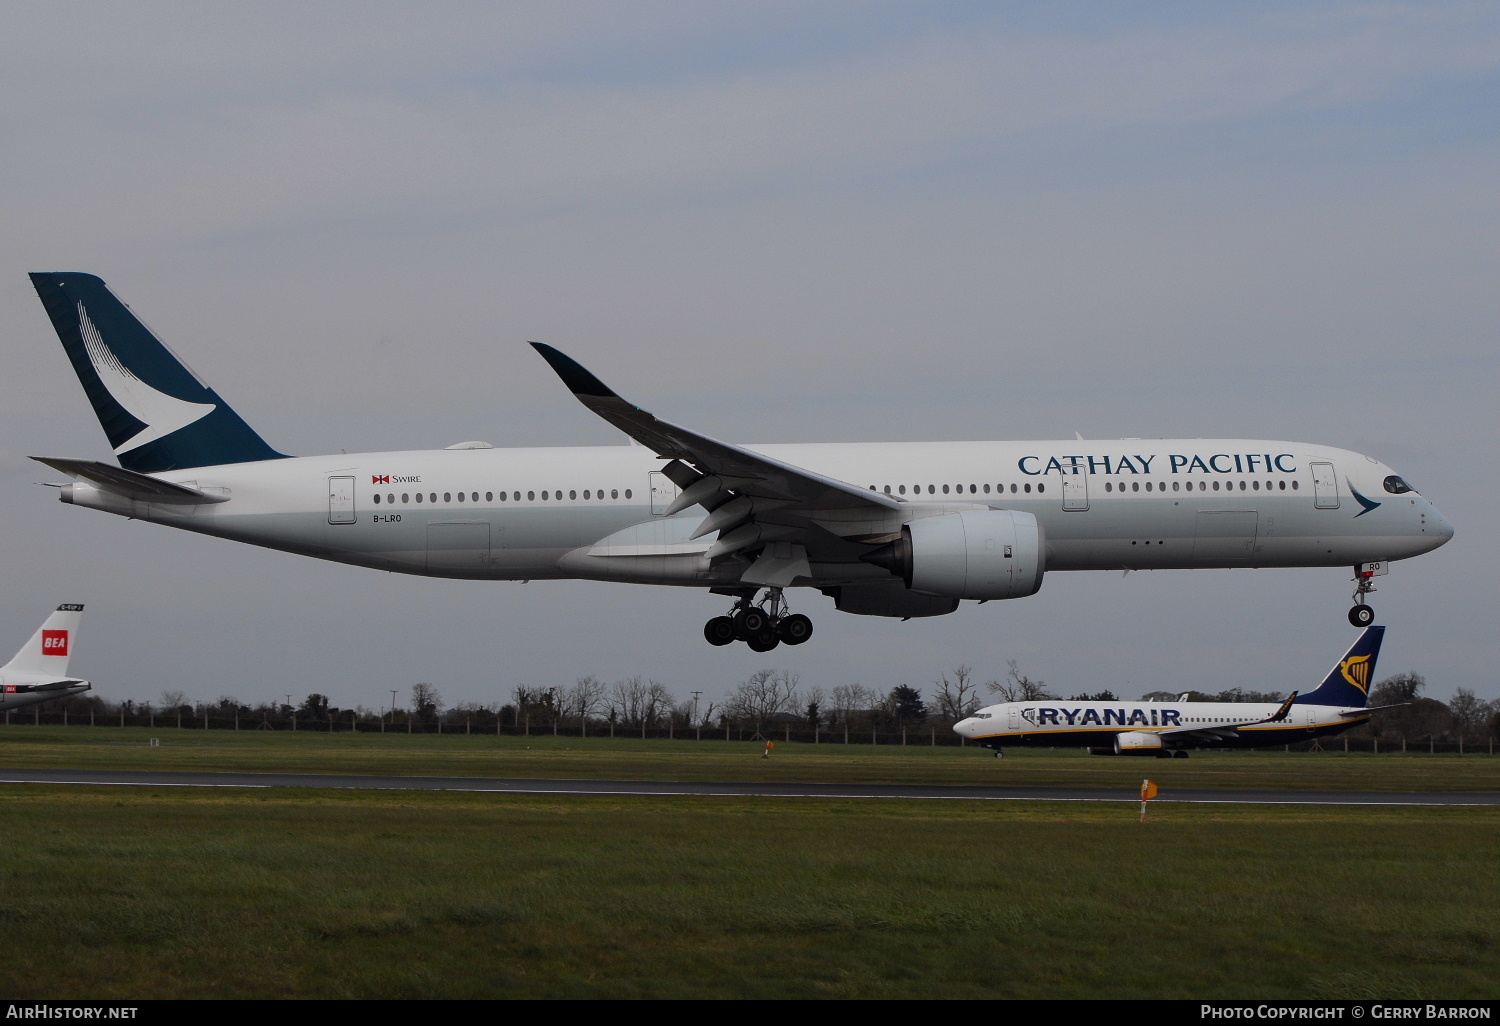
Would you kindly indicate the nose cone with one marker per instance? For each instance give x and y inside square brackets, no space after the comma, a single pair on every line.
[1440,527]
[964,727]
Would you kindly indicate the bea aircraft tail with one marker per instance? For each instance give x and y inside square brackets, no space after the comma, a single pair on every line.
[46,654]
[1347,685]
[156,413]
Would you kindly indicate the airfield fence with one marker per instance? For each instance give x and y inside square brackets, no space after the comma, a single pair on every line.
[926,735]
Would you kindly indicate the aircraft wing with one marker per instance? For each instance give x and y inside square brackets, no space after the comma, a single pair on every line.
[129,483]
[753,499]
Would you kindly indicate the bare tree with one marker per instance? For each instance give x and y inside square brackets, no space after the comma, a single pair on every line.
[173,700]
[851,699]
[1469,711]
[425,699]
[583,698]
[765,694]
[1017,687]
[958,697]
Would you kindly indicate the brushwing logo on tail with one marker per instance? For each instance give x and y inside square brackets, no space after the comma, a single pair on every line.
[161,413]
[1356,670]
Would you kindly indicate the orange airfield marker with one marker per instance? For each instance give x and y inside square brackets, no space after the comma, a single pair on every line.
[1148,791]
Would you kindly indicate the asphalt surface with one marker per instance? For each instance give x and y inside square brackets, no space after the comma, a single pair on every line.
[621,788]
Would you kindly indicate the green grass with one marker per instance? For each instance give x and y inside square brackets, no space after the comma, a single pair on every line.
[634,759]
[140,893]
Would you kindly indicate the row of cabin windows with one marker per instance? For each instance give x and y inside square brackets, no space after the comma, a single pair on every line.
[1161,486]
[547,495]
[1109,486]
[973,489]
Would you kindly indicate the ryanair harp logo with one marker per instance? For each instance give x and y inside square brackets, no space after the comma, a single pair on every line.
[1356,670]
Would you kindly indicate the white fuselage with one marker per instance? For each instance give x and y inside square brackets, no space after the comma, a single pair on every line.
[596,513]
[1056,722]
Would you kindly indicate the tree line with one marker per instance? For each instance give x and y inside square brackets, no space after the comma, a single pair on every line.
[766,699]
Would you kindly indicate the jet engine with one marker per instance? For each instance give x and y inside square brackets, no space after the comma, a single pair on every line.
[976,554]
[1137,742]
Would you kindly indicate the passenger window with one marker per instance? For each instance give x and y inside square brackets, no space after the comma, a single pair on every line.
[1013,489]
[945,489]
[1108,487]
[986,489]
[572,494]
[404,497]
[391,498]
[460,496]
[531,496]
[932,489]
[585,493]
[1281,485]
[1041,488]
[490,496]
[1028,487]
[1176,485]
[1135,486]
[419,496]
[377,498]
[1216,486]
[614,493]
[887,489]
[627,493]
[902,488]
[1294,486]
[447,497]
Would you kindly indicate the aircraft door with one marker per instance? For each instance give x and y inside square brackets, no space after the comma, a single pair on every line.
[1015,717]
[1075,489]
[663,491]
[1325,486]
[341,500]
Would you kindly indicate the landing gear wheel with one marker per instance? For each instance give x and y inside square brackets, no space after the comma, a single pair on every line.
[1179,755]
[750,621]
[1361,615]
[764,641]
[719,631]
[794,629]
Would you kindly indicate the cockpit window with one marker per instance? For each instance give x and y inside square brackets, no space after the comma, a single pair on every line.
[1396,486]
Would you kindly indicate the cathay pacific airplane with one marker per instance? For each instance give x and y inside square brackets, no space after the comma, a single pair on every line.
[884,529]
[1168,729]
[39,672]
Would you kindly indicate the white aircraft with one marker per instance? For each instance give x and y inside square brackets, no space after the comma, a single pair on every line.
[902,529]
[39,672]
[1168,729]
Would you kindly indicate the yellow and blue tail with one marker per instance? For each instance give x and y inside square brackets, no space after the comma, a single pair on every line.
[156,413]
[1348,683]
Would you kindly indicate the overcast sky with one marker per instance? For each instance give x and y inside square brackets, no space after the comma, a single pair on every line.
[774,222]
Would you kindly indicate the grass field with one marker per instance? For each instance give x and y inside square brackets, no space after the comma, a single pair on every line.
[626,759]
[157,892]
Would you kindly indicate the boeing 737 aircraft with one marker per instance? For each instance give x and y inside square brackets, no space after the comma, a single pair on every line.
[1168,729]
[884,529]
[39,672]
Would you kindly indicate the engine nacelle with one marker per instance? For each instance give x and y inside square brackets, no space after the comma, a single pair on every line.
[888,598]
[976,554]
[1137,742]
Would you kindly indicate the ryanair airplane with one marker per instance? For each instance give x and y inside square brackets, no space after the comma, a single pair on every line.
[1168,729]
[884,529]
[39,672]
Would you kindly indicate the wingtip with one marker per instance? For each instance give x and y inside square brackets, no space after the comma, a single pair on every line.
[578,379]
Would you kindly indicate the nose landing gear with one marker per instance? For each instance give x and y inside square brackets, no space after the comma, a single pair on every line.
[1362,615]
[762,626]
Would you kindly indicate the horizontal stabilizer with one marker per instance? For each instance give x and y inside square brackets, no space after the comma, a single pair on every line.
[129,484]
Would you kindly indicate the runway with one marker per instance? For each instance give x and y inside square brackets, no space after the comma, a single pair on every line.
[662,788]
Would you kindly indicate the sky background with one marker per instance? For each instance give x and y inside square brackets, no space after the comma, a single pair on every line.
[775,222]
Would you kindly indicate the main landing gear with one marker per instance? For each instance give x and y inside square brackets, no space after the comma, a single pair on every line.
[762,626]
[1362,615]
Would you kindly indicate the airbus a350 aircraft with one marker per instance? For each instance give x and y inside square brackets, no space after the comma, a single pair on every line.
[1168,729]
[885,529]
[39,672]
